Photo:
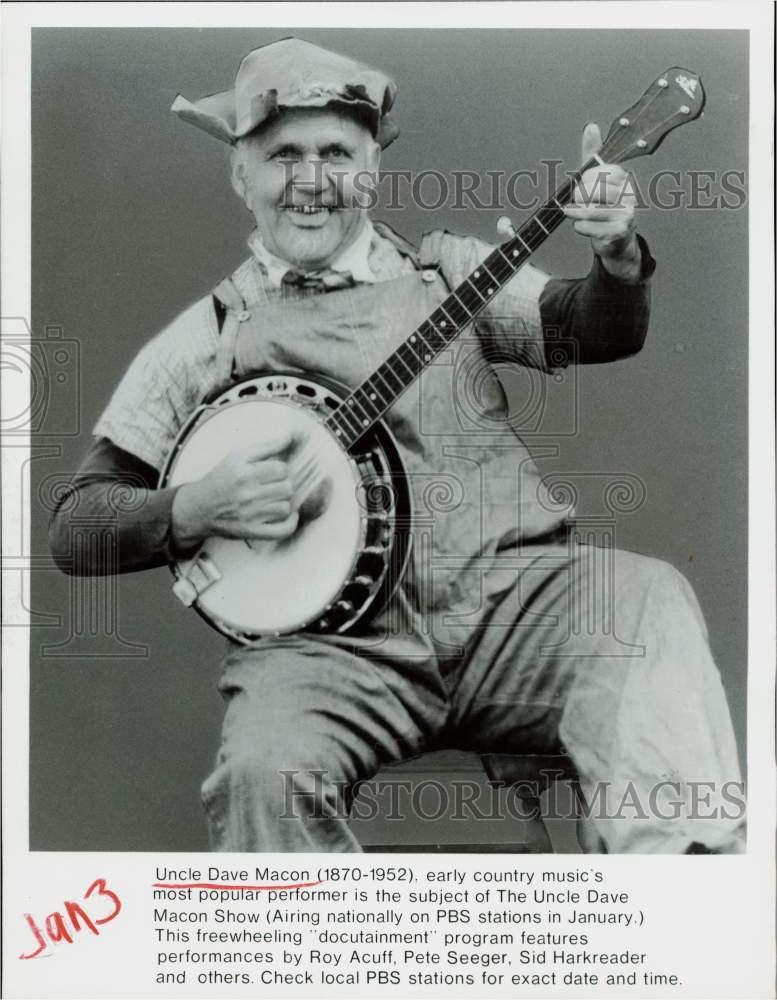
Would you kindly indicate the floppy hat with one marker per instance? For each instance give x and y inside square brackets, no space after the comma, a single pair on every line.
[293,74]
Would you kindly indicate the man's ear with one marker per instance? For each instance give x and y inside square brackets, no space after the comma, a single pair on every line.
[373,157]
[372,174]
[238,175]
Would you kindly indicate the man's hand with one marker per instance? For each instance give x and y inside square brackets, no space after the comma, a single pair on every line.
[247,495]
[604,211]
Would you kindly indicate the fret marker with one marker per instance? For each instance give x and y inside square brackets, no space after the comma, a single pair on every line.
[413,339]
[373,396]
[476,274]
[365,422]
[427,357]
[491,291]
[442,322]
[515,253]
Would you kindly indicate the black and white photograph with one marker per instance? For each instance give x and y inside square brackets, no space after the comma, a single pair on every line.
[384,467]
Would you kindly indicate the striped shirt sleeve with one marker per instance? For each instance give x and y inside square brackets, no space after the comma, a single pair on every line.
[165,382]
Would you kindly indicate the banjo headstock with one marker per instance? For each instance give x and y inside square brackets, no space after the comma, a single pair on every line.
[675,98]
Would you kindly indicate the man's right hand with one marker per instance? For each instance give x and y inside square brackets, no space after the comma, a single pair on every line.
[247,495]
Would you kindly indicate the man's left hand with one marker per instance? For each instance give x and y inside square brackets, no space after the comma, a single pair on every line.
[604,211]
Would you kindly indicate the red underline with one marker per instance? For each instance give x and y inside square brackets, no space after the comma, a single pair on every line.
[221,885]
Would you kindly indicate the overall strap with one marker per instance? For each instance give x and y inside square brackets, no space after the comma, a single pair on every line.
[405,247]
[230,308]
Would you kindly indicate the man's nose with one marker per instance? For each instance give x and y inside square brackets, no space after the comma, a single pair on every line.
[310,174]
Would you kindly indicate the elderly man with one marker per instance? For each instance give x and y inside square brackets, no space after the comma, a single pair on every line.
[475,648]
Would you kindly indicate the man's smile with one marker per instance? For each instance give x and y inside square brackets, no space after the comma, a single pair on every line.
[310,209]
[309,217]
[310,212]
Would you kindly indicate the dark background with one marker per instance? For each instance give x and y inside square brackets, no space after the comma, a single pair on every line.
[133,219]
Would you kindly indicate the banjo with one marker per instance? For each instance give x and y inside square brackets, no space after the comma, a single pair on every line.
[352,542]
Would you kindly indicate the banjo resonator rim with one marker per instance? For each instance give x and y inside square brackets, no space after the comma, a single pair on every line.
[383,497]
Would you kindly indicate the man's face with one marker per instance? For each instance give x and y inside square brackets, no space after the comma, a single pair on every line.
[300,177]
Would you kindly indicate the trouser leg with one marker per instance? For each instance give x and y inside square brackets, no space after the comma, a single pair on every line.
[606,652]
[305,720]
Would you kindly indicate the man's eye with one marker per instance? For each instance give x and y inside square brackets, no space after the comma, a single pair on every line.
[286,153]
[338,153]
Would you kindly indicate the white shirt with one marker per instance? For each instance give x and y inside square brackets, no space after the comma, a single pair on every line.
[354,259]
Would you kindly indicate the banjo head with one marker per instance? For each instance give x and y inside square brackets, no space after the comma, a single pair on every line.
[250,589]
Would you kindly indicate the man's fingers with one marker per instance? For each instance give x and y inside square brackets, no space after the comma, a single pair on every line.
[601,230]
[598,213]
[274,490]
[605,186]
[275,512]
[268,448]
[280,529]
[592,141]
[613,173]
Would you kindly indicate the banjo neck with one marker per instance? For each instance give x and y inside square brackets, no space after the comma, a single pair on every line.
[675,98]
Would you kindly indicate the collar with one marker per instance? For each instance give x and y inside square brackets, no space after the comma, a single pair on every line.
[354,259]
